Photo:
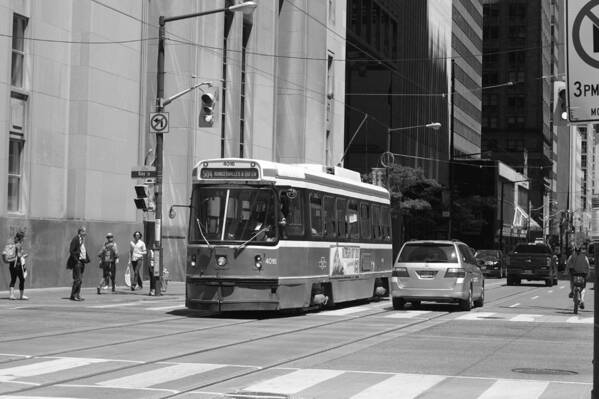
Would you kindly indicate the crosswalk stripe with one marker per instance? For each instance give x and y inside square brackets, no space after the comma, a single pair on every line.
[45,367]
[526,317]
[294,382]
[475,316]
[580,320]
[159,376]
[406,386]
[33,397]
[407,314]
[345,311]
[504,389]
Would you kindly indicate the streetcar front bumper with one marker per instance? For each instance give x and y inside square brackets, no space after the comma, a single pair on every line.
[243,294]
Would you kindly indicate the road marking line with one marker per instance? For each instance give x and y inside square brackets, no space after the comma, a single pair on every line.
[159,376]
[174,391]
[550,291]
[295,382]
[514,305]
[534,297]
[407,314]
[47,367]
[33,397]
[508,389]
[526,317]
[409,385]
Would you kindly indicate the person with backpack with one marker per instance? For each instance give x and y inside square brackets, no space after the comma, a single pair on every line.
[109,257]
[14,256]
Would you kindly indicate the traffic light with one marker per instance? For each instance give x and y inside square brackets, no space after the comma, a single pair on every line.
[560,103]
[207,112]
[142,191]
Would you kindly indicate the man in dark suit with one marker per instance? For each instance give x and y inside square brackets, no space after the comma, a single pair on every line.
[78,257]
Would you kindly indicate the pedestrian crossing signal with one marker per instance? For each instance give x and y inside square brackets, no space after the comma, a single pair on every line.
[560,106]
[142,201]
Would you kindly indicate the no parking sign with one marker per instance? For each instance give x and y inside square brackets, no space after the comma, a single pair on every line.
[582,30]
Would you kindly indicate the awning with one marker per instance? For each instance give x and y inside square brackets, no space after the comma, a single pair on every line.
[521,220]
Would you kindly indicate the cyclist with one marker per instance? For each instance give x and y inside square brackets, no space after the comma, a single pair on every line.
[578,263]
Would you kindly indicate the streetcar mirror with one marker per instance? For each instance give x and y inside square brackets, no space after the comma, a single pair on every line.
[172,213]
[291,193]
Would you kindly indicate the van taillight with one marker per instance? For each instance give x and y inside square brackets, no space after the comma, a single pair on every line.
[455,272]
[400,272]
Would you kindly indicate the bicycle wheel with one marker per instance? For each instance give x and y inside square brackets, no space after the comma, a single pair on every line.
[576,299]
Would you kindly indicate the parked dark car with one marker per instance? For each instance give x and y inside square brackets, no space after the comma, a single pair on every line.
[491,262]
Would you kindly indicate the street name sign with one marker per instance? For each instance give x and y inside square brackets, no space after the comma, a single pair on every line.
[159,122]
[582,31]
[143,172]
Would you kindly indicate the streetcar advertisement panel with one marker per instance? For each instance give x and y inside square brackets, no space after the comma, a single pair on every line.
[345,260]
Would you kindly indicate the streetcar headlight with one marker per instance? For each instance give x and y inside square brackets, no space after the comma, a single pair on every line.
[258,262]
[221,260]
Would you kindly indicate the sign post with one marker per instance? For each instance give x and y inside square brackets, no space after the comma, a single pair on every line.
[582,35]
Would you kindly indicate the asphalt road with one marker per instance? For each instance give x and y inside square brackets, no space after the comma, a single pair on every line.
[523,343]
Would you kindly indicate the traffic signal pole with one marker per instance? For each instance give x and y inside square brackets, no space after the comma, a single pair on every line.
[247,6]
[157,247]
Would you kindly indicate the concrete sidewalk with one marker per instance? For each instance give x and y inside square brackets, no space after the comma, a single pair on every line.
[58,295]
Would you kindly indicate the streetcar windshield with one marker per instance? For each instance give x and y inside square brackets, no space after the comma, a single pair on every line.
[233,214]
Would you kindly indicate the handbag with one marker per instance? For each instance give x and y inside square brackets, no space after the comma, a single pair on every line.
[128,274]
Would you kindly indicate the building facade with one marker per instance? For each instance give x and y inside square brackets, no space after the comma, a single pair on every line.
[398,80]
[78,83]
[519,67]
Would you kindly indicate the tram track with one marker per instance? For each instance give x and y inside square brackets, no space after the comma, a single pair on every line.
[422,323]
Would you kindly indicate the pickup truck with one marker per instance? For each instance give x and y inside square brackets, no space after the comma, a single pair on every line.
[532,262]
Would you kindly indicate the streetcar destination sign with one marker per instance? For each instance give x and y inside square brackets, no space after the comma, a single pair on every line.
[582,30]
[229,173]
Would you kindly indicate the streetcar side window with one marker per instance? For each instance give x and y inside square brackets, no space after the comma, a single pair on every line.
[341,221]
[352,219]
[365,223]
[330,223]
[386,223]
[292,209]
[376,219]
[316,212]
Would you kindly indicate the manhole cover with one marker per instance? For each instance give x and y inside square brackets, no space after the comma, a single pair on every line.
[544,371]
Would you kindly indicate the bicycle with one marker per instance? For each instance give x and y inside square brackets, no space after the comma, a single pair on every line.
[579,282]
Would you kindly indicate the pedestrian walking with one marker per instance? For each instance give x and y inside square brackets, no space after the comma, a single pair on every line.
[109,257]
[15,257]
[137,250]
[78,257]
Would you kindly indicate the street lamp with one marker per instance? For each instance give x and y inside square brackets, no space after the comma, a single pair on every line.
[432,125]
[245,7]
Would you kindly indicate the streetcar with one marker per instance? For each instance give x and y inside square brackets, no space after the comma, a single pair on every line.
[267,236]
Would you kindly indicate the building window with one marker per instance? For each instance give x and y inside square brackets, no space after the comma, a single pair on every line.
[332,12]
[19,24]
[16,145]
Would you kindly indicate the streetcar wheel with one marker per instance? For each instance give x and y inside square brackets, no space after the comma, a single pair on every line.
[398,303]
